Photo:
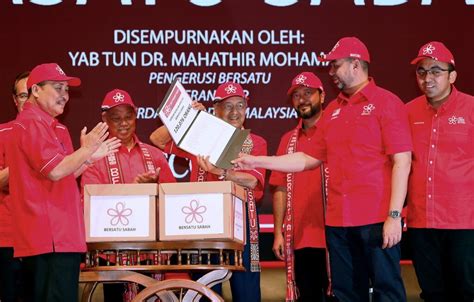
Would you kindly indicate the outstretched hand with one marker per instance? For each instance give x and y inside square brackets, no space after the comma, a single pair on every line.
[245,162]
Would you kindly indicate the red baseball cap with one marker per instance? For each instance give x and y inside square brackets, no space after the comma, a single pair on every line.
[436,51]
[348,47]
[228,90]
[117,97]
[305,79]
[50,72]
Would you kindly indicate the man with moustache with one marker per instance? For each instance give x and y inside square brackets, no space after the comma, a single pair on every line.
[365,139]
[45,200]
[10,267]
[230,104]
[303,245]
[137,162]
[440,196]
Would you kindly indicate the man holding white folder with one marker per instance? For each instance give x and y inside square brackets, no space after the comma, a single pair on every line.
[230,104]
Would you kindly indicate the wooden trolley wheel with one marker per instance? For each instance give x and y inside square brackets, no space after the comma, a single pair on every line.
[179,288]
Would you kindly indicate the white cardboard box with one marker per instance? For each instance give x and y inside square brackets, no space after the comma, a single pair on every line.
[120,212]
[202,210]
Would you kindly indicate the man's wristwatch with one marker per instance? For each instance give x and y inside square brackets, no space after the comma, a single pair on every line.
[395,214]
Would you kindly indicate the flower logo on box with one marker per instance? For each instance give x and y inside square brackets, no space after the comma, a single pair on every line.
[119,214]
[193,212]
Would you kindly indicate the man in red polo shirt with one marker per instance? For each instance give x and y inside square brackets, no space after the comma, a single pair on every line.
[45,199]
[302,209]
[441,196]
[365,139]
[136,162]
[10,267]
[230,104]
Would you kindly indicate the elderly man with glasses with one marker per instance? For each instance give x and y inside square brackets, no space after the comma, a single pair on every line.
[230,105]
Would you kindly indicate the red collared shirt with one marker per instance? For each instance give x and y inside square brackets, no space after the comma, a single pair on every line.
[6,232]
[132,163]
[356,136]
[308,209]
[441,187]
[47,214]
[259,148]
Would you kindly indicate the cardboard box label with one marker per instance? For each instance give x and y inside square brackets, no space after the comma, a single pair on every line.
[238,218]
[120,216]
[189,214]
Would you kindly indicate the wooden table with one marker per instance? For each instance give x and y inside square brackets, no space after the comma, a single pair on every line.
[136,258]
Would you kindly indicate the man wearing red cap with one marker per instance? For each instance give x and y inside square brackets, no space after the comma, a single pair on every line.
[298,201]
[10,267]
[365,139]
[440,195]
[135,162]
[230,105]
[45,200]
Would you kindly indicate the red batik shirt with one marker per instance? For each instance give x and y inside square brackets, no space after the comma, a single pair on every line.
[47,214]
[308,210]
[441,187]
[356,136]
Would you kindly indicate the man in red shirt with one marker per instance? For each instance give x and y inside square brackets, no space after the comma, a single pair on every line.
[45,200]
[230,104]
[365,139]
[135,162]
[10,267]
[303,207]
[441,196]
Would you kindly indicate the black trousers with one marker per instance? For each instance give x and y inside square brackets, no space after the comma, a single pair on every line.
[311,274]
[52,277]
[358,262]
[10,276]
[444,263]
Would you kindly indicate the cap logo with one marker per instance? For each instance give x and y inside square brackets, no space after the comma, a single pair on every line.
[230,89]
[300,79]
[61,72]
[335,46]
[428,50]
[118,97]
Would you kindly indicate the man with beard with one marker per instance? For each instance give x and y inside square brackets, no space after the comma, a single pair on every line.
[230,104]
[440,196]
[365,139]
[303,207]
[137,162]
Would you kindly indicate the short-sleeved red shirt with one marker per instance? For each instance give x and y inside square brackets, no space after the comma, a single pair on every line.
[259,148]
[441,186]
[132,163]
[356,136]
[308,209]
[6,232]
[47,215]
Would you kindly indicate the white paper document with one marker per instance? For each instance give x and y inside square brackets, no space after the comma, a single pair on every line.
[199,132]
